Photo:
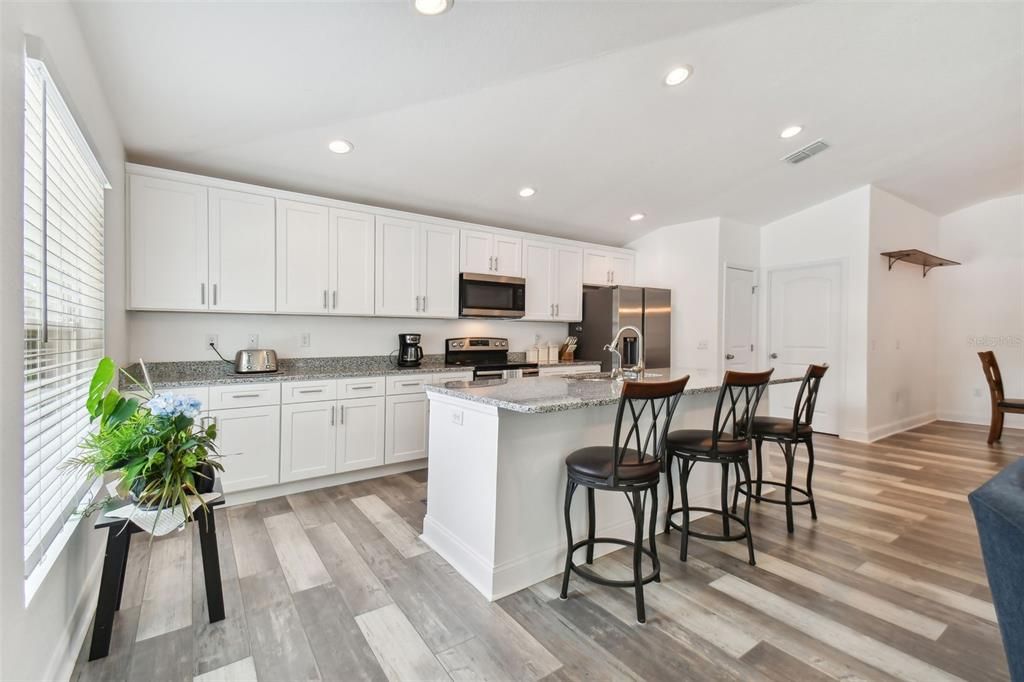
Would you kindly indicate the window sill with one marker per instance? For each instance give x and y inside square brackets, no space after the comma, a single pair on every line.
[35,579]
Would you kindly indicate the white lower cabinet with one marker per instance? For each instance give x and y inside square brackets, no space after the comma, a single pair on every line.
[405,435]
[308,433]
[360,441]
[247,440]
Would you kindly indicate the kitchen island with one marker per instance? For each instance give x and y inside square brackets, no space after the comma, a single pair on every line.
[496,470]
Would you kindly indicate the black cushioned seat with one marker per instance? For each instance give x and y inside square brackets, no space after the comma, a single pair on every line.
[777,426]
[697,440]
[596,463]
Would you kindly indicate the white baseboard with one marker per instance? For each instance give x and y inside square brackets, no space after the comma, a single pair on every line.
[294,487]
[72,639]
[900,425]
[495,581]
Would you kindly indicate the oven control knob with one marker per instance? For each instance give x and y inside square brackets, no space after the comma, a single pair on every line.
[501,343]
[461,344]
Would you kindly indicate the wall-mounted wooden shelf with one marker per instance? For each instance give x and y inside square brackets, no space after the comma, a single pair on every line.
[917,257]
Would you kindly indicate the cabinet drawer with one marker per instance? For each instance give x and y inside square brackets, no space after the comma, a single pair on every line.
[308,391]
[361,387]
[445,377]
[413,383]
[244,395]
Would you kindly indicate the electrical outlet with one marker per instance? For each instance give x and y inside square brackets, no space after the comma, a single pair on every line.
[254,340]
[457,417]
[211,339]
[304,340]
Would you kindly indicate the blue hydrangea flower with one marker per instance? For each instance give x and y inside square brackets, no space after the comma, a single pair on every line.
[170,405]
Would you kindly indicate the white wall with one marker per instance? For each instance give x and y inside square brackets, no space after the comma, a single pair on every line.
[158,337]
[901,318]
[981,307]
[41,640]
[836,230]
[684,258]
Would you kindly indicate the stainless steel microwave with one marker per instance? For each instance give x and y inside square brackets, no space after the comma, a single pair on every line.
[491,296]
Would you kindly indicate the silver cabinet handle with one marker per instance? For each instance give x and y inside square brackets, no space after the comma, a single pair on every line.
[613,277]
[332,415]
[410,383]
[424,304]
[490,263]
[558,309]
[417,304]
[495,263]
[310,390]
[365,387]
[334,299]
[774,356]
[202,293]
[341,415]
[730,356]
[246,395]
[215,294]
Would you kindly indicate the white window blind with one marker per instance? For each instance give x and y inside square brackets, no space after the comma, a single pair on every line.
[63,304]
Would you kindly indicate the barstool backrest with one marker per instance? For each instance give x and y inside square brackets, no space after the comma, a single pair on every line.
[737,402]
[807,396]
[992,375]
[654,401]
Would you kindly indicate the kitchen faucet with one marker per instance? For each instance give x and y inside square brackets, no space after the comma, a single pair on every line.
[638,369]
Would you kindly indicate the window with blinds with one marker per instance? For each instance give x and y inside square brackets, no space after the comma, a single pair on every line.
[64,323]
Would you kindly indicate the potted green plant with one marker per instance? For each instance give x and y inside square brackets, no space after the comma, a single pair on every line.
[162,454]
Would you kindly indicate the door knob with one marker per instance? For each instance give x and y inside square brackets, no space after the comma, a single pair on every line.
[774,356]
[730,356]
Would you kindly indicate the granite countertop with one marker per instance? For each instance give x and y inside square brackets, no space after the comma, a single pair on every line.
[557,394]
[218,372]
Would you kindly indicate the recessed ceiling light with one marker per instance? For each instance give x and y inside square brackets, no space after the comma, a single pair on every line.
[678,75]
[340,146]
[791,131]
[637,217]
[527,192]
[432,7]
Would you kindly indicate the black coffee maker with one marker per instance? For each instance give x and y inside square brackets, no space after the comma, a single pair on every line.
[409,351]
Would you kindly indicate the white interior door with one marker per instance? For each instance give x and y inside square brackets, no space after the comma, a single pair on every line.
[352,243]
[804,327]
[738,319]
[242,243]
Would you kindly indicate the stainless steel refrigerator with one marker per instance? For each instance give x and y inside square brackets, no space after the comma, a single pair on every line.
[606,309]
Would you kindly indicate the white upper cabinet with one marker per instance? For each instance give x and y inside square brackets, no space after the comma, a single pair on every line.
[417,273]
[490,253]
[397,267]
[352,263]
[168,245]
[554,286]
[606,267]
[303,264]
[242,243]
[439,256]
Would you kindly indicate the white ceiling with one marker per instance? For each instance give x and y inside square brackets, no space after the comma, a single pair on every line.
[451,115]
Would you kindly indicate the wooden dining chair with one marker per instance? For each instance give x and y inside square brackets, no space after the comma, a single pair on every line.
[1000,403]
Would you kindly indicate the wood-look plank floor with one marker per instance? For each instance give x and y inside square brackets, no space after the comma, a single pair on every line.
[334,584]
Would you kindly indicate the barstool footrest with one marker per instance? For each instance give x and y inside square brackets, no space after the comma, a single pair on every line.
[742,487]
[600,580]
[707,536]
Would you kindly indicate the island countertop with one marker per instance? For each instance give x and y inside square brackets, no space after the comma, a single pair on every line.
[557,394]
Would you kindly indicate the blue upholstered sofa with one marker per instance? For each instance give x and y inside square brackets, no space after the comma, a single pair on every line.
[999,512]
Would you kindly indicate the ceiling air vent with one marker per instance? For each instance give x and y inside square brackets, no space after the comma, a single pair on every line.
[804,153]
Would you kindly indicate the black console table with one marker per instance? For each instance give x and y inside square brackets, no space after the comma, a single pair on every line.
[119,535]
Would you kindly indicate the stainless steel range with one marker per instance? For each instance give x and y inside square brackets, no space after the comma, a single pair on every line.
[488,357]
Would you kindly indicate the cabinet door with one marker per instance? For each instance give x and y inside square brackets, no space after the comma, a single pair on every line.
[405,436]
[168,245]
[248,440]
[302,257]
[568,284]
[351,237]
[508,256]
[242,243]
[398,267]
[623,269]
[597,268]
[538,270]
[440,271]
[360,434]
[308,438]
[476,251]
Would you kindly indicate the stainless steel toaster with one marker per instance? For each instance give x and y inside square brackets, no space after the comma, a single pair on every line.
[255,361]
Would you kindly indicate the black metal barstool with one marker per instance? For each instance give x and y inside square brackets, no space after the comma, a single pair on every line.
[727,444]
[788,433]
[630,465]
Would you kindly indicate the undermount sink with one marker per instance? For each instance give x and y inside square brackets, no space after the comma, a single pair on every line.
[606,376]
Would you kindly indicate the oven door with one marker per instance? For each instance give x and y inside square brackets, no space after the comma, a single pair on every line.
[491,296]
